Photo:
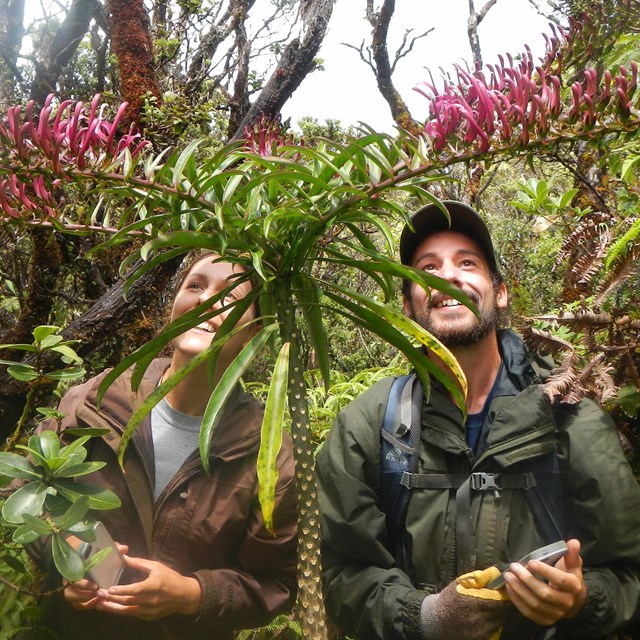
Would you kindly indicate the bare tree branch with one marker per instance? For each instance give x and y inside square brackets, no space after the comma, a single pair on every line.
[61,50]
[383,68]
[475,18]
[296,61]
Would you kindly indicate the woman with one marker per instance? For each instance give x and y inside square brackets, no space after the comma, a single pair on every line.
[199,559]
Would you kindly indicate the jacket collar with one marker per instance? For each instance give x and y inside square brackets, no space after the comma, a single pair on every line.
[237,433]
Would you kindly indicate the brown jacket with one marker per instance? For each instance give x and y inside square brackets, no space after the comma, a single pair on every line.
[208,526]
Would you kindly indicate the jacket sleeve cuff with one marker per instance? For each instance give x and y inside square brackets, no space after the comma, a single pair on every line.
[411,615]
[598,609]
[209,605]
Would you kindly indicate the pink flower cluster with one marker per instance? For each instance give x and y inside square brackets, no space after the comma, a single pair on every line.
[37,152]
[518,102]
[266,136]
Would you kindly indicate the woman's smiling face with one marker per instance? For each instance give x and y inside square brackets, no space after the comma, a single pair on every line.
[203,280]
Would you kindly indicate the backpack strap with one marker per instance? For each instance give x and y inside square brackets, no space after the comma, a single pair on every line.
[400,452]
[540,479]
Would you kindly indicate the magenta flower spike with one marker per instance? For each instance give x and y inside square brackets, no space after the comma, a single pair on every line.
[63,142]
[513,104]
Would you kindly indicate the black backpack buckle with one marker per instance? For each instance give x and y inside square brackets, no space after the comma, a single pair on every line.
[481,481]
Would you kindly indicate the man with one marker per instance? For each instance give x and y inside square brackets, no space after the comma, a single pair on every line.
[490,487]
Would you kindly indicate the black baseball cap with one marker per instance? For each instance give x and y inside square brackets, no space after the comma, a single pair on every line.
[430,219]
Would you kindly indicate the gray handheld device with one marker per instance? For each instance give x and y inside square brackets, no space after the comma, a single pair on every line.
[549,554]
[106,572]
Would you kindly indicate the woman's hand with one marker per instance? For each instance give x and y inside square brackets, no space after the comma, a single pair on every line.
[163,592]
[547,594]
[82,594]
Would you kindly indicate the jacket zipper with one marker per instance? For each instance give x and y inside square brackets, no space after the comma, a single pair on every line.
[172,491]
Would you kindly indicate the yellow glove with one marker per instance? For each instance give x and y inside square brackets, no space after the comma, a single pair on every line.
[466,609]
[474,584]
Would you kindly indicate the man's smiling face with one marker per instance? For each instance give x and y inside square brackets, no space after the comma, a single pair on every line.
[458,259]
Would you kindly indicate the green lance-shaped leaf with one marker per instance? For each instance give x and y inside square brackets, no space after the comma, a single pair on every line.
[225,386]
[27,499]
[271,439]
[620,247]
[424,366]
[84,529]
[24,534]
[166,385]
[50,341]
[78,469]
[41,447]
[143,356]
[76,451]
[149,265]
[49,444]
[66,559]
[74,513]
[22,372]
[99,498]
[44,331]
[379,263]
[308,294]
[69,373]
[13,465]
[15,564]
[68,354]
[20,347]
[413,329]
[183,160]
[39,526]
[370,321]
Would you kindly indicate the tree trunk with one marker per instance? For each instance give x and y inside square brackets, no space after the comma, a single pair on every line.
[474,20]
[399,110]
[132,45]
[44,268]
[11,33]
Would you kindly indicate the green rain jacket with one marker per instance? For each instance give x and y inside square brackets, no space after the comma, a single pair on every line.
[368,596]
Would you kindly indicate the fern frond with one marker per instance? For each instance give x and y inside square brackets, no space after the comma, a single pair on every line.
[624,267]
[563,385]
[583,319]
[580,239]
[597,378]
[544,342]
[629,401]
[587,260]
[631,237]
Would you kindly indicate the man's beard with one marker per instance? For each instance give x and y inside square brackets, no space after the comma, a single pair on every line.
[452,335]
[467,336]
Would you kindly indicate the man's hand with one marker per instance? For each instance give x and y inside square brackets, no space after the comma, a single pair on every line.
[547,594]
[465,609]
[163,592]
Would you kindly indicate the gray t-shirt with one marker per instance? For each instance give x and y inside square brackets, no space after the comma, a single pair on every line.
[175,438]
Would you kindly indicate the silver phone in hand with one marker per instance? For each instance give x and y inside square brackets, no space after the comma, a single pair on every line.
[550,554]
[107,571]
